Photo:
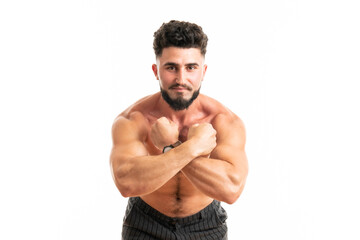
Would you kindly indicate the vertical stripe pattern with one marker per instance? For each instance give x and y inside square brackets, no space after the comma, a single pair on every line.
[142,222]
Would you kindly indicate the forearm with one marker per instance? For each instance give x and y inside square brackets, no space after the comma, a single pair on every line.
[216,178]
[144,174]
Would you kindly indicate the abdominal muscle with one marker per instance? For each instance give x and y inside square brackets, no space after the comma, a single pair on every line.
[177,198]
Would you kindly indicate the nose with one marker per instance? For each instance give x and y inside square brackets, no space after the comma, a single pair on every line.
[181,76]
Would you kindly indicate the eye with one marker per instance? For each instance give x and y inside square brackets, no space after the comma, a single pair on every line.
[192,67]
[171,68]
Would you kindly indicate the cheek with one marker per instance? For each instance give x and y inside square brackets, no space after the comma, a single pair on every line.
[165,74]
[196,78]
[165,79]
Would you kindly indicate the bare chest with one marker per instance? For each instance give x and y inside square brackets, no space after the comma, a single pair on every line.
[178,196]
[178,186]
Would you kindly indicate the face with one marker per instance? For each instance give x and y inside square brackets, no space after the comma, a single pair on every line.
[180,72]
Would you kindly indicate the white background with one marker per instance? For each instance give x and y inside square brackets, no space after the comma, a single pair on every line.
[289,69]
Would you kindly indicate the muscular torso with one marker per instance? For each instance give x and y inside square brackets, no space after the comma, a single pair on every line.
[178,197]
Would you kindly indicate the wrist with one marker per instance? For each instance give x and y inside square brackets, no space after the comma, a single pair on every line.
[192,148]
[171,146]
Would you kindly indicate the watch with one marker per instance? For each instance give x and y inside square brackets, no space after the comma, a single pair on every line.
[171,146]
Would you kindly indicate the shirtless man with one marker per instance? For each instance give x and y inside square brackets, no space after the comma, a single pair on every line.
[177,154]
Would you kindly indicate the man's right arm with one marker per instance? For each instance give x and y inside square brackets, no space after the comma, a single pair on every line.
[135,172]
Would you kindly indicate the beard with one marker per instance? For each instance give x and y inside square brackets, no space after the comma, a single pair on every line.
[179,103]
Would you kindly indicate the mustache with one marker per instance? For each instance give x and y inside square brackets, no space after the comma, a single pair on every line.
[180,85]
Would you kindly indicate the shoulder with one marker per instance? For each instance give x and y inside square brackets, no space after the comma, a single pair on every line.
[228,119]
[138,110]
[227,124]
[133,121]
[230,132]
[132,118]
[143,106]
[221,114]
[212,106]
[133,126]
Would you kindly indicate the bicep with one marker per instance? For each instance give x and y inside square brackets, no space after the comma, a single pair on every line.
[230,140]
[231,149]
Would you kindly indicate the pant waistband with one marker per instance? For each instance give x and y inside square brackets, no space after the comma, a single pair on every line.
[141,204]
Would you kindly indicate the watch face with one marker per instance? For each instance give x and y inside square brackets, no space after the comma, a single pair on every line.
[167,148]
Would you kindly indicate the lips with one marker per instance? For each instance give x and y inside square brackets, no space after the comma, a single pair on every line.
[180,87]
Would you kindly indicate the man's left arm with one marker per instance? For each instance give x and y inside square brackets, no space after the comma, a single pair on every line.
[222,176]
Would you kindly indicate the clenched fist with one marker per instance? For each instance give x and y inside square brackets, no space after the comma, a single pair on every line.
[164,132]
[203,137]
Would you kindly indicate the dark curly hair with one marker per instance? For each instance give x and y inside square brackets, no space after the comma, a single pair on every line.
[179,34]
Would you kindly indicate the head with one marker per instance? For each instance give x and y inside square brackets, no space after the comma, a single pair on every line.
[180,49]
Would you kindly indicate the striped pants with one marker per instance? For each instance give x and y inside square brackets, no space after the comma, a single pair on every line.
[142,222]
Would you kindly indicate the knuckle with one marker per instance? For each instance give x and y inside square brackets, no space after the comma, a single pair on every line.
[163,119]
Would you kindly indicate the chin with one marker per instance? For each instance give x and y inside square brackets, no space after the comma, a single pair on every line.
[179,102]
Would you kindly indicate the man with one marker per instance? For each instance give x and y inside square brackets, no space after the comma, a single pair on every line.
[177,153]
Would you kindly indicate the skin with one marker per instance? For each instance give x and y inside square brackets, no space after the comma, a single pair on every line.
[210,163]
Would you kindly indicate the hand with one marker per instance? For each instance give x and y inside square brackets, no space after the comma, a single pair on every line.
[164,132]
[204,138]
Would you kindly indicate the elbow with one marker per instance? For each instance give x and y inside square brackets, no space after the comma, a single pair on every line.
[236,186]
[123,183]
[232,200]
[132,191]
[125,192]
[233,192]
[129,188]
[231,196]
[124,189]
[124,186]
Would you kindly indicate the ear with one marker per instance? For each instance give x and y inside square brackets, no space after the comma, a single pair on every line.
[155,70]
[204,71]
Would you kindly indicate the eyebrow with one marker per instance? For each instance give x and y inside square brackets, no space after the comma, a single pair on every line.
[176,64]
